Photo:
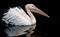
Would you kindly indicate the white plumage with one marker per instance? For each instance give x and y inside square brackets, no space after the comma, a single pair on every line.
[20,21]
[16,16]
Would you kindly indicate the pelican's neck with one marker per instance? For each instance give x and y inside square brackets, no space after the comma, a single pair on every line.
[31,16]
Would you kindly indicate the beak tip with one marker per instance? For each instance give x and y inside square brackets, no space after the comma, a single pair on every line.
[48,16]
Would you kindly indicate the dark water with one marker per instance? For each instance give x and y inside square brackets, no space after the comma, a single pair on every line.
[45,26]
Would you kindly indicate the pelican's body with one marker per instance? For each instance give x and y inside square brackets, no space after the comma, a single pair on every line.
[18,17]
[19,21]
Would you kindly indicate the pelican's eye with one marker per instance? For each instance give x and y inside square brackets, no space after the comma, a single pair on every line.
[32,6]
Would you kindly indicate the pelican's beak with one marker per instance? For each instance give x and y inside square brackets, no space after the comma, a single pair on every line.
[36,10]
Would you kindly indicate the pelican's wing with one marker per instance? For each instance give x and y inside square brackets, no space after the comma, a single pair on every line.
[14,16]
[23,13]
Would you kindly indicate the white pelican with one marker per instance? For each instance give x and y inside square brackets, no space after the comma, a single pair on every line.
[19,21]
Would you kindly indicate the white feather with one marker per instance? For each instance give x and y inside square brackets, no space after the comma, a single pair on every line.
[17,17]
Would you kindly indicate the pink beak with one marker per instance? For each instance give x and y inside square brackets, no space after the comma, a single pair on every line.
[36,10]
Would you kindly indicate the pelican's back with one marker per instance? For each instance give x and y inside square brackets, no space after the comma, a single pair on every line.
[16,16]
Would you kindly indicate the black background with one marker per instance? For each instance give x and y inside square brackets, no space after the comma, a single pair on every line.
[46,27]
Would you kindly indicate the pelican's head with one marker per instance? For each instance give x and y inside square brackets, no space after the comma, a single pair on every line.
[33,8]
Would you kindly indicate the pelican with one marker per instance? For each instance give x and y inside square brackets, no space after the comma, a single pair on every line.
[18,22]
